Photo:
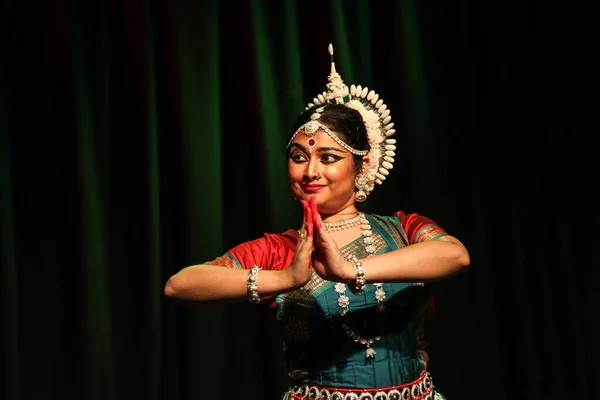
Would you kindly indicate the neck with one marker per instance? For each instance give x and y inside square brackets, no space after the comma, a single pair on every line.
[341,215]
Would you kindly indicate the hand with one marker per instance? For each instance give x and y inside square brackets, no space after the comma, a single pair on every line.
[328,261]
[300,269]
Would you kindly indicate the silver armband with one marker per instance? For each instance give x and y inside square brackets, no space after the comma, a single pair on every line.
[253,295]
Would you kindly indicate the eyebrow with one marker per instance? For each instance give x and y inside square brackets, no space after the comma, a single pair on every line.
[319,149]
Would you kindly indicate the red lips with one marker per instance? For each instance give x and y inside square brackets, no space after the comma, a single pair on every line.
[313,188]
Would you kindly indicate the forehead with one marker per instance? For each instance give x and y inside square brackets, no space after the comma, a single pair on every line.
[322,139]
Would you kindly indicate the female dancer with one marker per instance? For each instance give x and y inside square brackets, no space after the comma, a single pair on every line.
[350,290]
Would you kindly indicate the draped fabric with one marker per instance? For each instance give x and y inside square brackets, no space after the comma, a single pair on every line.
[140,137]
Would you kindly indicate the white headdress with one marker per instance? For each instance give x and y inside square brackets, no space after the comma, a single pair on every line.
[377,120]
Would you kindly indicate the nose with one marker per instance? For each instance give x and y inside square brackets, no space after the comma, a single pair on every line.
[312,171]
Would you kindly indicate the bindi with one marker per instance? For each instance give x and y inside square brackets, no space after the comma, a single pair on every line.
[311,142]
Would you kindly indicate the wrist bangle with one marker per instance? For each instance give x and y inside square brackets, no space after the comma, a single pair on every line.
[253,295]
[361,281]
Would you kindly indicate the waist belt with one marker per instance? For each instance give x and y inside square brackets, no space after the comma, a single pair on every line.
[420,389]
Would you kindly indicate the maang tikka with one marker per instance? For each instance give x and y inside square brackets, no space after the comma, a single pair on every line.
[311,128]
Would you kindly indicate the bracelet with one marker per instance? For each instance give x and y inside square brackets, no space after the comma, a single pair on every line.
[361,281]
[253,295]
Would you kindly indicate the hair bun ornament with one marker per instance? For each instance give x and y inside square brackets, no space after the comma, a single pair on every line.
[377,120]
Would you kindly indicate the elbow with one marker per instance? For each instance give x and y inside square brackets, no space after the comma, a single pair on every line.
[172,288]
[458,256]
[463,261]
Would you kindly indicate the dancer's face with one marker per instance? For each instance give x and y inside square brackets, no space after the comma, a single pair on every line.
[328,172]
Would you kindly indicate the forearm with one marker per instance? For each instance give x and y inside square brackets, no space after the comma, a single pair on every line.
[420,262]
[208,283]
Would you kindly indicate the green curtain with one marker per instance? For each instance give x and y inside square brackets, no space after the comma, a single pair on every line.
[137,138]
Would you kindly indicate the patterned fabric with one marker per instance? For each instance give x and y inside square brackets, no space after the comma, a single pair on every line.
[223,261]
[420,389]
[419,228]
[318,351]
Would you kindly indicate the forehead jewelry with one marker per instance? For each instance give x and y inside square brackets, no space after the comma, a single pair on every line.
[311,128]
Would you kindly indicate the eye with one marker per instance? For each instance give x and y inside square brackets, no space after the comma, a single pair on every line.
[298,158]
[330,158]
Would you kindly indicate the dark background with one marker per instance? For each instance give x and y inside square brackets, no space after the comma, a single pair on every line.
[139,137]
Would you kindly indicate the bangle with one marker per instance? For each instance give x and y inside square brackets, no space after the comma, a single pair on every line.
[360,282]
[253,295]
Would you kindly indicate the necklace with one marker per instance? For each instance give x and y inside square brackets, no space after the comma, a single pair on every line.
[341,225]
[344,300]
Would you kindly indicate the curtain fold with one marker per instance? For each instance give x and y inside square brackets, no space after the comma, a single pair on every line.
[9,294]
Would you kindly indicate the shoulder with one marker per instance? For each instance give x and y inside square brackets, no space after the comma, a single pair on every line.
[284,239]
[402,217]
[268,251]
[418,228]
[268,241]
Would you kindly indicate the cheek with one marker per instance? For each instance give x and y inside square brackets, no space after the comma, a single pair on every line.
[294,172]
[343,175]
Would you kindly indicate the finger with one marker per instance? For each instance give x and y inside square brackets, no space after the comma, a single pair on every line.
[309,222]
[302,230]
[304,252]
[305,208]
[307,245]
[315,214]
[312,203]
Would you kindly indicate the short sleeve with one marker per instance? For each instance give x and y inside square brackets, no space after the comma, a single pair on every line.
[270,252]
[419,228]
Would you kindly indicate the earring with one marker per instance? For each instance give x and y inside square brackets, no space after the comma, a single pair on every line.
[363,186]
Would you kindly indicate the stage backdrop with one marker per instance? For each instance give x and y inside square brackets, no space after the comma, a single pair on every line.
[139,137]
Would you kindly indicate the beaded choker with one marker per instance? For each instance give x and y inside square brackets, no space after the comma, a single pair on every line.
[341,225]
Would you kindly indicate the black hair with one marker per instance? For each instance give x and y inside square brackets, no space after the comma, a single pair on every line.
[346,122]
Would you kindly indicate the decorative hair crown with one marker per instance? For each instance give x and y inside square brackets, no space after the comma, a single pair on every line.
[376,117]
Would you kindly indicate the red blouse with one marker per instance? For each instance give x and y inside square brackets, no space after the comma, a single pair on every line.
[275,251]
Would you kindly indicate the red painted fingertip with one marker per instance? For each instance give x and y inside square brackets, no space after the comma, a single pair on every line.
[315,214]
[304,210]
[309,222]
